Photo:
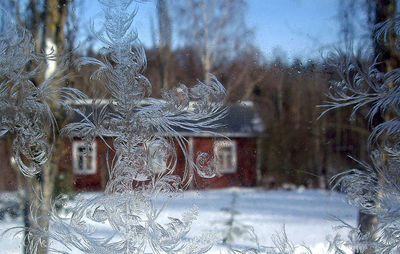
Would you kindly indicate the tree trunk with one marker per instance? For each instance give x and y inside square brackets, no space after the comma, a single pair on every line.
[206,57]
[38,190]
[388,58]
[164,26]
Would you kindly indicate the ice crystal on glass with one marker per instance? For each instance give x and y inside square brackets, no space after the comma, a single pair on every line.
[146,134]
[374,188]
[26,108]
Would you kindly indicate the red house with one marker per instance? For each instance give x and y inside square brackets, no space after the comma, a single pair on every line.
[237,155]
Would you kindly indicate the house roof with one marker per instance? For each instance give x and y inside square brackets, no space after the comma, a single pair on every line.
[241,120]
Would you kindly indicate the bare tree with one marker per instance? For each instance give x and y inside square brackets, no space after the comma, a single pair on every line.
[215,28]
[165,37]
[47,20]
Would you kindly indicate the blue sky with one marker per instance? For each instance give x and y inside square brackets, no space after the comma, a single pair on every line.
[299,28]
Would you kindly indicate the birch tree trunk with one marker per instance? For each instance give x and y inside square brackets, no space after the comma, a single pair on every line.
[47,25]
[215,29]
[165,37]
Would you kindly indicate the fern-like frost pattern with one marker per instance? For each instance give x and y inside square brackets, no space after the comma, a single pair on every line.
[25,107]
[374,188]
[146,133]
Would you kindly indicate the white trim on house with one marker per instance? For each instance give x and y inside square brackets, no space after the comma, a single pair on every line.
[84,163]
[225,153]
[157,158]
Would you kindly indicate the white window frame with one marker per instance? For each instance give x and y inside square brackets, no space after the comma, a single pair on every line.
[157,163]
[78,155]
[222,156]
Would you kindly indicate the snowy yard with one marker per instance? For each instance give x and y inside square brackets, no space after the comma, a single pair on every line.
[304,213]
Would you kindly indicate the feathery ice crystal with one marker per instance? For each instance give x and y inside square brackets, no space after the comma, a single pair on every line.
[375,189]
[25,107]
[142,128]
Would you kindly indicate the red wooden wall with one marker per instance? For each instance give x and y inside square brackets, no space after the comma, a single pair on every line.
[8,181]
[245,174]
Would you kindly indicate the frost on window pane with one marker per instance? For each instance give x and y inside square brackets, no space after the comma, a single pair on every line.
[374,186]
[26,108]
[144,132]
[145,135]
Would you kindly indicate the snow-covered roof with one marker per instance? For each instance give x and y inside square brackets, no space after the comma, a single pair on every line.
[241,119]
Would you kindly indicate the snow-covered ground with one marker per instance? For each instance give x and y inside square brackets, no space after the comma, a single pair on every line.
[305,214]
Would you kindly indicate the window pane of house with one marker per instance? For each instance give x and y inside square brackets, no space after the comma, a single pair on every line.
[82,157]
[225,152]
